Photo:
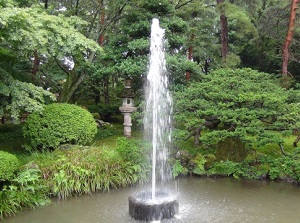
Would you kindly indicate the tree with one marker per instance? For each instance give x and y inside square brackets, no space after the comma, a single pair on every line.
[240,103]
[200,35]
[224,31]
[52,41]
[129,42]
[265,51]
[17,97]
[289,38]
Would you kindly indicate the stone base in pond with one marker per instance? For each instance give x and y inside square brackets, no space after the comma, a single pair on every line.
[142,207]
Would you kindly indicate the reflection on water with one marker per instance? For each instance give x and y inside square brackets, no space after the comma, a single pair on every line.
[200,201]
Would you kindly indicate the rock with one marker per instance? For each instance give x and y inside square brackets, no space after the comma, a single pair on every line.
[101,123]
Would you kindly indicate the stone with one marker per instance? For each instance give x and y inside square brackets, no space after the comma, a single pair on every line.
[141,207]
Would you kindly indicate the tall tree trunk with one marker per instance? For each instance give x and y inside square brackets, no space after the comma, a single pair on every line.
[224,31]
[70,86]
[36,64]
[101,21]
[106,90]
[46,4]
[289,38]
[76,7]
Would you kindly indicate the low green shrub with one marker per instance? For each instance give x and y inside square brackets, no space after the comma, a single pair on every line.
[200,162]
[224,168]
[285,168]
[105,111]
[178,169]
[59,124]
[8,165]
[131,150]
[26,190]
[84,170]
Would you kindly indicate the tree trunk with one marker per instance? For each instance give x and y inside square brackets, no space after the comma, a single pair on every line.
[76,7]
[282,149]
[210,122]
[106,90]
[36,64]
[224,32]
[101,22]
[46,4]
[296,141]
[289,38]
[72,83]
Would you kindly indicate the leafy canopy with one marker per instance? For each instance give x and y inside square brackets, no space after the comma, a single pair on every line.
[246,102]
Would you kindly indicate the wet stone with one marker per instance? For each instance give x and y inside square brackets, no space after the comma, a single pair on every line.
[142,207]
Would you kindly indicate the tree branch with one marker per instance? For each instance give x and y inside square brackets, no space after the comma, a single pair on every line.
[282,149]
[61,66]
[178,6]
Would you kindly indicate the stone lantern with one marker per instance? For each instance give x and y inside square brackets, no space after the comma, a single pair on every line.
[127,107]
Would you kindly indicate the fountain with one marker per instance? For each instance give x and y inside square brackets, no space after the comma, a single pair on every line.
[157,203]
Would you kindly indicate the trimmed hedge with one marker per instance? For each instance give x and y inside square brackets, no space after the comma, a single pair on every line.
[9,163]
[58,124]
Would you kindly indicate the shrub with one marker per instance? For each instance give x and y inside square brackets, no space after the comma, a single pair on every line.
[105,111]
[83,171]
[59,124]
[224,168]
[178,169]
[8,165]
[26,190]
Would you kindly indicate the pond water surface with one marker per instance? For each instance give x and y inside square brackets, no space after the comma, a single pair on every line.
[200,200]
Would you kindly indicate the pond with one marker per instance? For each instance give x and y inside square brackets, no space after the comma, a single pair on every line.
[200,200]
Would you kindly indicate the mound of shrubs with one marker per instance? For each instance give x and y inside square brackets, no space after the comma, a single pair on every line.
[8,165]
[58,124]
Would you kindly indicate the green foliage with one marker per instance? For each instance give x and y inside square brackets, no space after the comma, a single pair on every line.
[31,35]
[17,97]
[59,124]
[8,165]
[200,164]
[285,168]
[178,169]
[232,61]
[132,151]
[11,138]
[223,168]
[86,170]
[105,111]
[245,101]
[31,28]
[26,190]
[107,131]
[160,7]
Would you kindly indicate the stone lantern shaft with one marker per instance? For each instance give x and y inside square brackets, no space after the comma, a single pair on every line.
[127,108]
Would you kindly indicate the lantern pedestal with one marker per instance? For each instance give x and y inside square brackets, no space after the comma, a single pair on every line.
[127,108]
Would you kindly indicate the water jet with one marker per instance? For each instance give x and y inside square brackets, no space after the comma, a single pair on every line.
[157,203]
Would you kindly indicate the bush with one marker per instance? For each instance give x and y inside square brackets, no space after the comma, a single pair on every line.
[59,124]
[105,111]
[224,168]
[26,190]
[8,165]
[85,170]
